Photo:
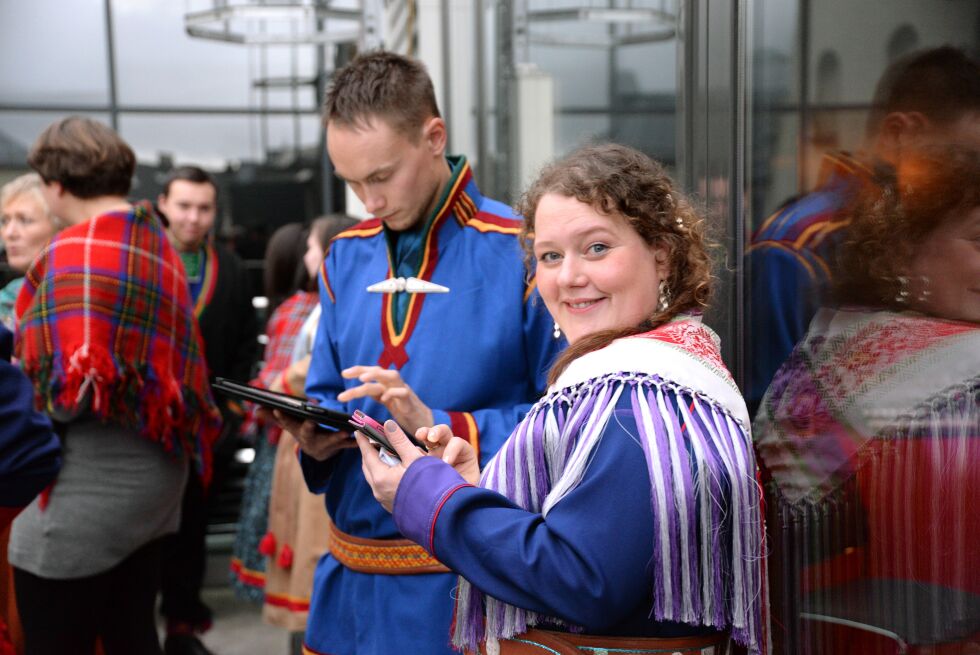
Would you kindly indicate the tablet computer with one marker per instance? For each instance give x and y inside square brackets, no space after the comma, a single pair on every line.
[300,408]
[305,410]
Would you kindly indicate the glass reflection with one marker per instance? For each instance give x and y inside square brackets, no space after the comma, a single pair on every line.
[869,433]
[54,52]
[929,97]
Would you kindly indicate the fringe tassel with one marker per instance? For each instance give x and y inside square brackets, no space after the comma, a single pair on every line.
[708,554]
[158,406]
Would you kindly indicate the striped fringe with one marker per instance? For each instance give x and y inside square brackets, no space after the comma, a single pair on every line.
[708,543]
[824,541]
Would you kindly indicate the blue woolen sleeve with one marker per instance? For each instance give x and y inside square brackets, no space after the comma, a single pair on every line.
[323,383]
[30,453]
[588,562]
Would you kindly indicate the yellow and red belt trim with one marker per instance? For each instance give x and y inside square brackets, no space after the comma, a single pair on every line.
[382,556]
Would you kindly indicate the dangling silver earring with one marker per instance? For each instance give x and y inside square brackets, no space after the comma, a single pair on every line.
[557,331]
[924,291]
[664,303]
[903,294]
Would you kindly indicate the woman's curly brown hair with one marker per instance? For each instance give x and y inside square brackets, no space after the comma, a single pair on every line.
[893,214]
[617,180]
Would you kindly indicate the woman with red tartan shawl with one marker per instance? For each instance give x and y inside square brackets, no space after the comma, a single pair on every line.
[108,338]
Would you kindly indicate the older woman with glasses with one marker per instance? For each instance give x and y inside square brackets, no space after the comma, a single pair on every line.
[26,224]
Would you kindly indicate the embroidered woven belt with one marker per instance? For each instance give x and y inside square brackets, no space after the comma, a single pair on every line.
[546,642]
[384,556]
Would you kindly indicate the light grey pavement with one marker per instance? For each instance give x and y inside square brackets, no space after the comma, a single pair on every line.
[238,627]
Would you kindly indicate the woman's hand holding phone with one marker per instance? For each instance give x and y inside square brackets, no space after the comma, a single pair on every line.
[384,478]
[454,451]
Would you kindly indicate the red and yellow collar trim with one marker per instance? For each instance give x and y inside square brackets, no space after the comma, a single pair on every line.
[210,281]
[363,230]
[457,204]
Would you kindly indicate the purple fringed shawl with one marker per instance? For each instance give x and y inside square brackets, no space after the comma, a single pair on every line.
[709,564]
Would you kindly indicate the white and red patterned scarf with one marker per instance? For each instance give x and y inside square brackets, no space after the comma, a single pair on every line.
[856,376]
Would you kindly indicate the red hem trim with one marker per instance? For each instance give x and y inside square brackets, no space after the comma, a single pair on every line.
[247,576]
[7,515]
[285,602]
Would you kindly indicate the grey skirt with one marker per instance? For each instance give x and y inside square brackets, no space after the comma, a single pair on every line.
[116,492]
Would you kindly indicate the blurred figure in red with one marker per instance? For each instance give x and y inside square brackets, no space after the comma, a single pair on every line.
[218,285]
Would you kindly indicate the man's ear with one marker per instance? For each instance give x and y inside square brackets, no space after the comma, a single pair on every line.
[162,201]
[434,136]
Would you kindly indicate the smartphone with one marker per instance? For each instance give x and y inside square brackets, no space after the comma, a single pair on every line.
[376,432]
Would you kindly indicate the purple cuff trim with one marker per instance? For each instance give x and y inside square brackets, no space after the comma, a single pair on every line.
[435,517]
[426,486]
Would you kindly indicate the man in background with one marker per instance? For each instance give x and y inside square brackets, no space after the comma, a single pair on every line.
[228,323]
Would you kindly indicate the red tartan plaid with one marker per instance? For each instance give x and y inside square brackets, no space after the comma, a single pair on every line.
[105,314]
[282,329]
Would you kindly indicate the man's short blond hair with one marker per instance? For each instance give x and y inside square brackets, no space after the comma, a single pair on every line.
[381,85]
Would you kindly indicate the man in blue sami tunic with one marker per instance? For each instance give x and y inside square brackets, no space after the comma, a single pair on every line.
[427,317]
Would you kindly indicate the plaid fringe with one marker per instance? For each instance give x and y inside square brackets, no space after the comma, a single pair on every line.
[107,328]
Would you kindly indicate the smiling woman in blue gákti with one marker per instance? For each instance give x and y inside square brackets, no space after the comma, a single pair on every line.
[623,511]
